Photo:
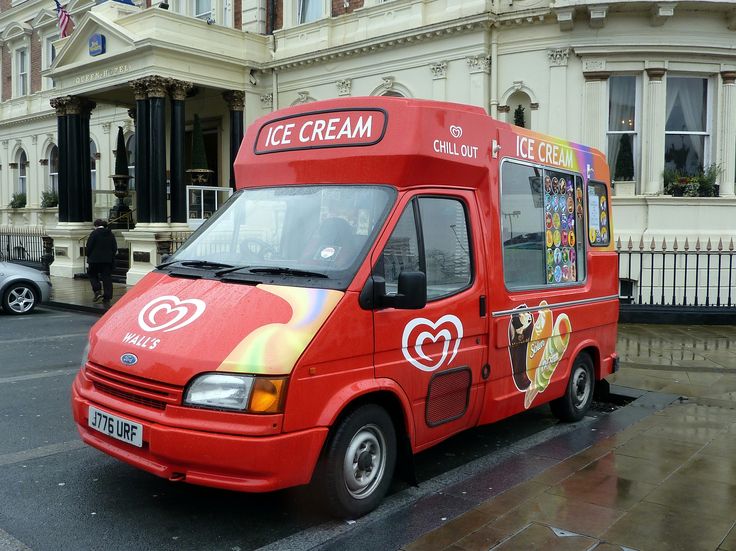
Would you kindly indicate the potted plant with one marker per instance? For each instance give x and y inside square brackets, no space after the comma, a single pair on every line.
[121,211]
[702,184]
[519,117]
[707,186]
[200,172]
[49,199]
[18,201]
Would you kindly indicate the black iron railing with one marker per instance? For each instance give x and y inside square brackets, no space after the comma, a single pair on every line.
[25,245]
[178,238]
[677,274]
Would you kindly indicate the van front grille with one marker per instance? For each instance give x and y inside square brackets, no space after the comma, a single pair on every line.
[129,396]
[133,389]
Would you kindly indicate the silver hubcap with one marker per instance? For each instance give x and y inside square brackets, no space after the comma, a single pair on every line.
[581,387]
[365,462]
[21,299]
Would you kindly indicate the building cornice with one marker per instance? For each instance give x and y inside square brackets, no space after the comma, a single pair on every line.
[27,119]
[609,50]
[475,23]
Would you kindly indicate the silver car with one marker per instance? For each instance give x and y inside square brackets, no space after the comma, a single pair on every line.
[22,288]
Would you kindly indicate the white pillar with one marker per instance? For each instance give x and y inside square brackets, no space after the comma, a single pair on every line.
[728,134]
[70,238]
[439,81]
[557,91]
[480,69]
[653,134]
[6,183]
[595,109]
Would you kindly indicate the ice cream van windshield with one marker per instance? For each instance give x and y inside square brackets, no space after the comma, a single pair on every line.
[313,235]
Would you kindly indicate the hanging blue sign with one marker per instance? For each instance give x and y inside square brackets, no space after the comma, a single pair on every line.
[96,44]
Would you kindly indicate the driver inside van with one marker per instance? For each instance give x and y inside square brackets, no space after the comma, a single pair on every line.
[334,242]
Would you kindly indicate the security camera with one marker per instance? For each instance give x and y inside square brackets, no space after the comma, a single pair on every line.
[210,21]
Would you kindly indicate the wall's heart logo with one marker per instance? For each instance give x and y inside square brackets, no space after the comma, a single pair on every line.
[456,131]
[169,313]
[421,331]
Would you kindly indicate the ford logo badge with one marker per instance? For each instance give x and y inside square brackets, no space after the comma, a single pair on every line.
[129,359]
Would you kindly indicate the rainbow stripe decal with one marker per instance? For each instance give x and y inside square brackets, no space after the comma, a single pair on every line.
[274,349]
[559,153]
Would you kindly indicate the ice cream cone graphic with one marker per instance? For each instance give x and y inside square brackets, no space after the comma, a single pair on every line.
[535,348]
[553,351]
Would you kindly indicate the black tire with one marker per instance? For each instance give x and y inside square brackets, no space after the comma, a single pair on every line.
[579,393]
[19,298]
[359,461]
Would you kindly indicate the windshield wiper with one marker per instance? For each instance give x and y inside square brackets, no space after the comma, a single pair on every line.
[230,269]
[196,264]
[286,271]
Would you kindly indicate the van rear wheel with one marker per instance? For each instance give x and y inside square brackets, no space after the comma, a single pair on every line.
[359,462]
[579,394]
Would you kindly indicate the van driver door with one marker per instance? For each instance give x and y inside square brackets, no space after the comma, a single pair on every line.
[438,353]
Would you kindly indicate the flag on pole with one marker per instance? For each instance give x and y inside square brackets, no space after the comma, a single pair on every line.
[65,20]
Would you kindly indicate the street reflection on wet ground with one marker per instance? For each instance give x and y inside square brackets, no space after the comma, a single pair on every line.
[665,482]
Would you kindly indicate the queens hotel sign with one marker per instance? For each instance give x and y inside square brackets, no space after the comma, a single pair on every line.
[102,74]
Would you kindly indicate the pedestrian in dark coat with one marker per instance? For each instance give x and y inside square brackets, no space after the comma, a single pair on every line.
[101,250]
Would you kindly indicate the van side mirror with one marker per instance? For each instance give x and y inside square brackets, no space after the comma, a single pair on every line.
[411,295]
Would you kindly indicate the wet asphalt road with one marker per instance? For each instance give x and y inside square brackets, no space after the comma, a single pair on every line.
[57,494]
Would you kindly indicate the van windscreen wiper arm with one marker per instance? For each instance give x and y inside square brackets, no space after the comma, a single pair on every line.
[286,271]
[196,264]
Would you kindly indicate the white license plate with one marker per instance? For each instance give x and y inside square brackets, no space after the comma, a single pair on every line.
[115,426]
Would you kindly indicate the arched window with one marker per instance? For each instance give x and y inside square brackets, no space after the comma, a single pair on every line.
[93,164]
[130,146]
[393,94]
[22,171]
[54,169]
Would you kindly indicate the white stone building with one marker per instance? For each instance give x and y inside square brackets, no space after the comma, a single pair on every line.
[650,83]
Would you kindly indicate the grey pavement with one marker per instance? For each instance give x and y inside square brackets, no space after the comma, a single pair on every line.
[666,482]
[658,477]
[76,294]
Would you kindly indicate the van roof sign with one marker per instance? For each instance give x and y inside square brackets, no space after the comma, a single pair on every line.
[322,129]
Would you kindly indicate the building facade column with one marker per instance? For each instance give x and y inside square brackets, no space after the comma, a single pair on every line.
[59,104]
[178,91]
[85,161]
[728,135]
[595,109]
[157,148]
[236,104]
[557,122]
[439,81]
[480,70]
[653,133]
[143,209]
[75,193]
[74,132]
[73,169]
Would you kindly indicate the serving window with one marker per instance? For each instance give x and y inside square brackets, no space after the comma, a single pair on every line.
[599,230]
[542,226]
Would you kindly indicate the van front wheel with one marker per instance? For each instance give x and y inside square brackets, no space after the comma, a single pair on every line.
[579,394]
[359,462]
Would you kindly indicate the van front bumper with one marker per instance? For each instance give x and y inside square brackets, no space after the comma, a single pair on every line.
[232,462]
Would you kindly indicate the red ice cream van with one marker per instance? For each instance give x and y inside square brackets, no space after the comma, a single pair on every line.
[389,272]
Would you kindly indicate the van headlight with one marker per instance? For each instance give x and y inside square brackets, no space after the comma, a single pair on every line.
[246,393]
